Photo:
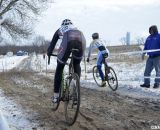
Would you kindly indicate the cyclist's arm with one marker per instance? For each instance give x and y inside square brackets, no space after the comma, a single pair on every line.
[53,42]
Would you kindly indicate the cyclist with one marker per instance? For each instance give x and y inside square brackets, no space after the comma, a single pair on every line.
[102,54]
[71,38]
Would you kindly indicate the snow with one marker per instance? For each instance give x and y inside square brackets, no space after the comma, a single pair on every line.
[3,123]
[11,115]
[7,63]
[130,76]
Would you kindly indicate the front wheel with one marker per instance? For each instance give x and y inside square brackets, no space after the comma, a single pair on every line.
[72,103]
[112,78]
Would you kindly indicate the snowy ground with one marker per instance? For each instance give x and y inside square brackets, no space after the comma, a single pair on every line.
[130,76]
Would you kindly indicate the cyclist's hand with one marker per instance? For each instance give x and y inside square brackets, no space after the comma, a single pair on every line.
[87,59]
[49,54]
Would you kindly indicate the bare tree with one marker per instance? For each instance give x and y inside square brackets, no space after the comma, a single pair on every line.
[123,40]
[140,40]
[17,16]
[38,43]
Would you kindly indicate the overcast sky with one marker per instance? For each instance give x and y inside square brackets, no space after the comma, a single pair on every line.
[111,18]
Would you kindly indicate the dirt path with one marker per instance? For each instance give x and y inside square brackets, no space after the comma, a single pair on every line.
[99,110]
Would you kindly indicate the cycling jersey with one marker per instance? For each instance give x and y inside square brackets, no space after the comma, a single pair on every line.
[98,44]
[64,29]
[67,33]
[71,39]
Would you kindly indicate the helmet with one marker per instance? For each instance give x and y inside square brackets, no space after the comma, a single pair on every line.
[95,36]
[66,22]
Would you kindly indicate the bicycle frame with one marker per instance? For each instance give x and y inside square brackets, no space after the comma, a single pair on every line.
[70,85]
[106,68]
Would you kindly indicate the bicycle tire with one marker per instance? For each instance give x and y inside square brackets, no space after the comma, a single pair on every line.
[72,109]
[112,79]
[96,76]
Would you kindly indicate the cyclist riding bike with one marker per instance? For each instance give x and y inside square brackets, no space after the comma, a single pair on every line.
[71,38]
[102,54]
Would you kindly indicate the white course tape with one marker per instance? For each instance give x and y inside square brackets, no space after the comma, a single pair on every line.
[133,52]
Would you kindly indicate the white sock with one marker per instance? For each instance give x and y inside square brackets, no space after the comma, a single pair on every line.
[56,95]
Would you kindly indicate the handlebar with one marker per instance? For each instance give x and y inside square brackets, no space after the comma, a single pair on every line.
[56,55]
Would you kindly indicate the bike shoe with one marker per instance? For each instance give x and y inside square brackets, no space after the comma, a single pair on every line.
[103,84]
[54,99]
[156,85]
[145,86]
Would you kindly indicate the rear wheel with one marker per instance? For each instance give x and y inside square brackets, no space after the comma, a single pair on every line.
[96,76]
[112,78]
[72,103]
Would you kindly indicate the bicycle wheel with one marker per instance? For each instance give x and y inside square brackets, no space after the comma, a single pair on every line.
[112,79]
[96,76]
[72,103]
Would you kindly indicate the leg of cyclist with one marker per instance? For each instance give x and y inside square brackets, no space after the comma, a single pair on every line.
[105,56]
[62,57]
[99,67]
[57,80]
[77,67]
[77,56]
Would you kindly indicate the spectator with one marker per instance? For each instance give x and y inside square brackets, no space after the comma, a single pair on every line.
[153,61]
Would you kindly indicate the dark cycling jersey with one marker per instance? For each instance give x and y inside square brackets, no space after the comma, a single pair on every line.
[72,38]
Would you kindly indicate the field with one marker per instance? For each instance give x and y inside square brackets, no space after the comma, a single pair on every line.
[26,89]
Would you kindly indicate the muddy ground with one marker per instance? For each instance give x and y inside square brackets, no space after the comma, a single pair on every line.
[99,110]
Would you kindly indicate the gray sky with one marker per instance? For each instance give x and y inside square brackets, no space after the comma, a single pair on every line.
[111,18]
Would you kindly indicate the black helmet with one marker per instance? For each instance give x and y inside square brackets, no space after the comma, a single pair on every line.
[66,22]
[153,29]
[95,36]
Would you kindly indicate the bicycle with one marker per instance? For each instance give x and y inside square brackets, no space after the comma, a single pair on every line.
[69,93]
[109,76]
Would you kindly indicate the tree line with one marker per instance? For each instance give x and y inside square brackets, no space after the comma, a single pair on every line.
[42,48]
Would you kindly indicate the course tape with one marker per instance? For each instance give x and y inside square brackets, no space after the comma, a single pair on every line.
[134,52]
